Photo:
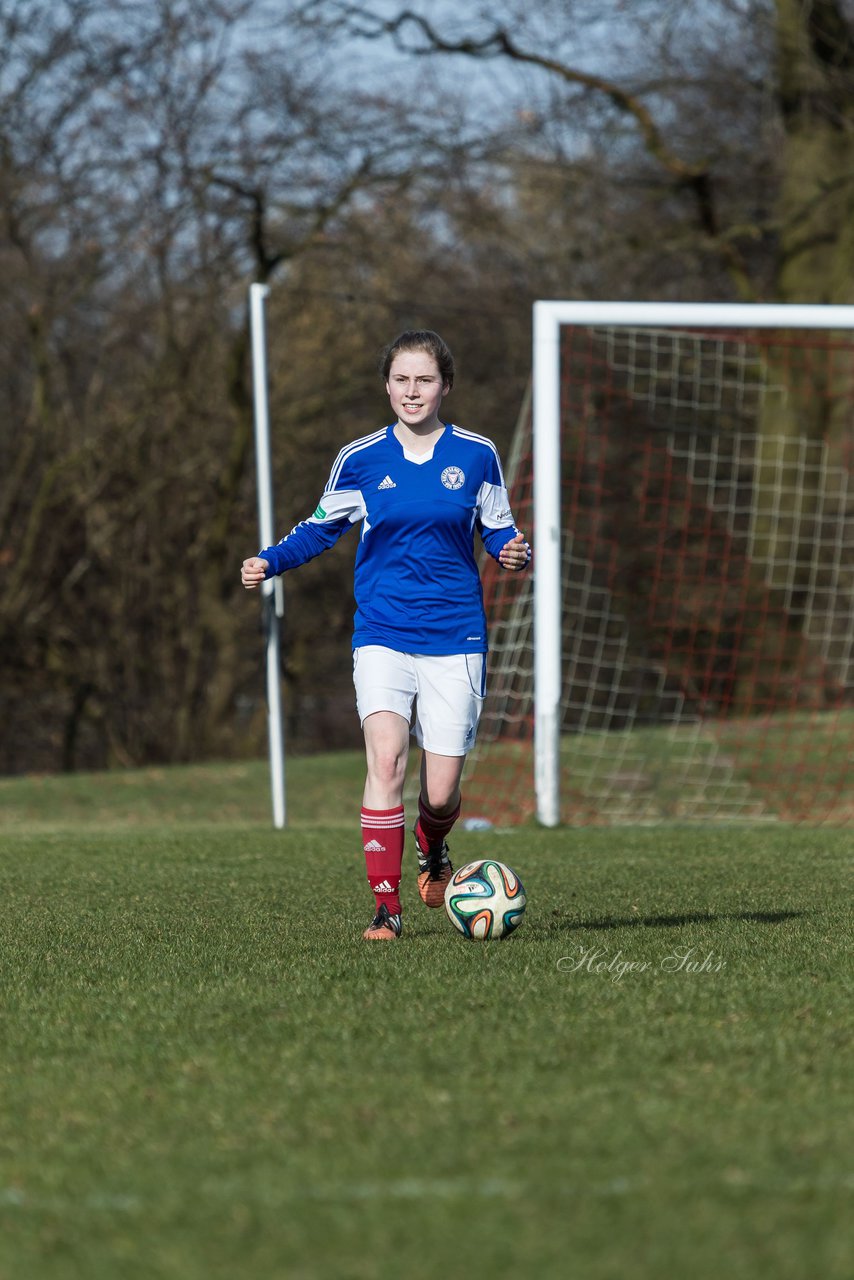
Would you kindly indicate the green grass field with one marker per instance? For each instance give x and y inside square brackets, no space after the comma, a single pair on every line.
[206,1072]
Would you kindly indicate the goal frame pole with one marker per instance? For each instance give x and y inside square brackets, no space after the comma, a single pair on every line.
[272,594]
[547,576]
[548,318]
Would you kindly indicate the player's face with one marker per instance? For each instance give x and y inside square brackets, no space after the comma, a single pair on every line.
[415,389]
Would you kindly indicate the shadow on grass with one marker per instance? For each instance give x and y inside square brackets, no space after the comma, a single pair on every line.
[695,917]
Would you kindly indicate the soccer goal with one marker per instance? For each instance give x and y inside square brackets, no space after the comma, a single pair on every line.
[684,649]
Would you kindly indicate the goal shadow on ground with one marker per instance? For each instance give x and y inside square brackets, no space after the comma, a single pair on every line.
[676,921]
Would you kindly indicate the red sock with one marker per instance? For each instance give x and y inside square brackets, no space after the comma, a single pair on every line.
[382,840]
[430,828]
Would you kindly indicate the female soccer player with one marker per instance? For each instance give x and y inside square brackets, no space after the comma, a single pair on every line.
[420,487]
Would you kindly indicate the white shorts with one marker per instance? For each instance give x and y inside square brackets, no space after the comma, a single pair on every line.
[447,691]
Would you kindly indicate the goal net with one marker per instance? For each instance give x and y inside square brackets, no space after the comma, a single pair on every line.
[684,649]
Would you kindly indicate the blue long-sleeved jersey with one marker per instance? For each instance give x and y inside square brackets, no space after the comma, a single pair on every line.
[416,580]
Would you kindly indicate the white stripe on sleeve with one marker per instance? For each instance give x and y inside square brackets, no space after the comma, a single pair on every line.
[494,506]
[343,502]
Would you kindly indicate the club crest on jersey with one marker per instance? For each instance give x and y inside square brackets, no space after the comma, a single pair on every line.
[453,478]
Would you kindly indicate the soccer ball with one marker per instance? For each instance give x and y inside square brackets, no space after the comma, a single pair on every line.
[485,899]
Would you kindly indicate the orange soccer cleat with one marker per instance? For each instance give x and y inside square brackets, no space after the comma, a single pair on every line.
[434,872]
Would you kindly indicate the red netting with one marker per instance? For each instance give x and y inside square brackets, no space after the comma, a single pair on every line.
[708,585]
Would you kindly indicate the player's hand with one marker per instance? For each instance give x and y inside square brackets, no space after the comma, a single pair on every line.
[515,554]
[253,571]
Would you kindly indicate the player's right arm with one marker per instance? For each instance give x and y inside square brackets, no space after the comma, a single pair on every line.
[341,506]
[253,572]
[305,541]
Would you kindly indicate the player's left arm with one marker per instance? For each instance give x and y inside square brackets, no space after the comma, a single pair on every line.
[502,539]
[515,554]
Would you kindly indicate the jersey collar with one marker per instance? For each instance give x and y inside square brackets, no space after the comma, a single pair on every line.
[427,457]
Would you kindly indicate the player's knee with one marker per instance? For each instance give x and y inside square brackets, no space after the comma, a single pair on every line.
[442,799]
[387,767]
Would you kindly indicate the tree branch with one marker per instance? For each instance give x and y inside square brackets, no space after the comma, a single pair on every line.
[694,178]
[499,43]
[265,260]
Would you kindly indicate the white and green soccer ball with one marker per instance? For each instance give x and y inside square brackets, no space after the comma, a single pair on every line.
[485,899]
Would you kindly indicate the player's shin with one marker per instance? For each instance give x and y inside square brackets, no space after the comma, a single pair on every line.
[382,841]
[431,827]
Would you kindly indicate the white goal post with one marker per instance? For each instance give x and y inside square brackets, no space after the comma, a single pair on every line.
[548,320]
[272,594]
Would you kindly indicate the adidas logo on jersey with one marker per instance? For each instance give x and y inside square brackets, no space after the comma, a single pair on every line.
[374,846]
[388,483]
[382,887]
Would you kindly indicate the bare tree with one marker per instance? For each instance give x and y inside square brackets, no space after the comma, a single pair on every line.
[154,159]
[743,111]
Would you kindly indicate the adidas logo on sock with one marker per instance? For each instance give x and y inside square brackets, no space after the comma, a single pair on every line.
[388,483]
[382,887]
[374,846]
